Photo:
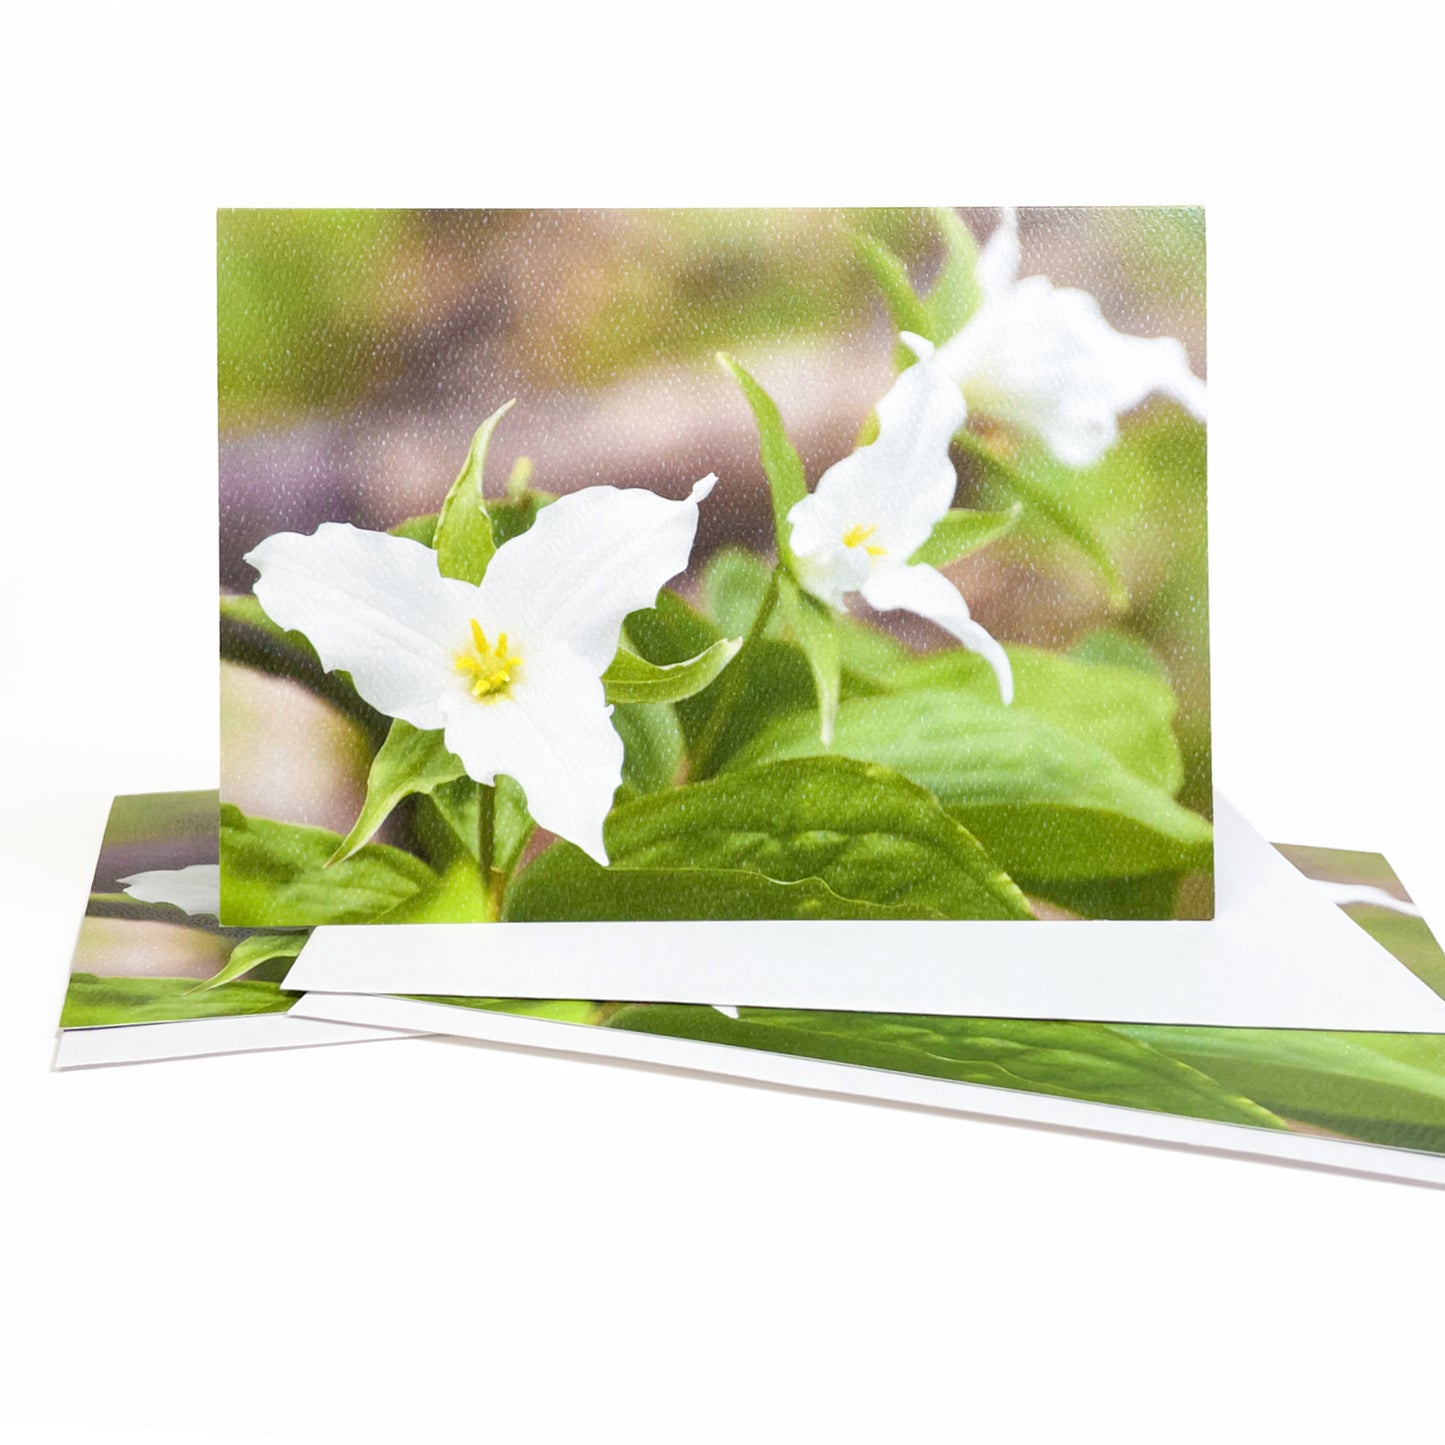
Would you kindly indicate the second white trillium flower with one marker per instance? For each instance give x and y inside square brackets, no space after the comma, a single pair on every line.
[509,670]
[194,889]
[1043,357]
[874,509]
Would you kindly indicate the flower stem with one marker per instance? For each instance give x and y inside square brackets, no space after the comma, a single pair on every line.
[486,845]
[730,686]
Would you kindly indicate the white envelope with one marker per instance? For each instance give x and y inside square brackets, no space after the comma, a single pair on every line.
[1277,954]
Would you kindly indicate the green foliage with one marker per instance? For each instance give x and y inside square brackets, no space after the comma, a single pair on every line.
[787,483]
[251,952]
[1055,504]
[906,310]
[463,538]
[565,885]
[277,873]
[867,834]
[653,745]
[1067,1060]
[632,679]
[962,531]
[1384,1088]
[812,627]
[92,1002]
[410,761]
[955,295]
[1047,805]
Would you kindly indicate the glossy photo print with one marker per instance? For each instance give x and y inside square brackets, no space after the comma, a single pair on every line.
[589,566]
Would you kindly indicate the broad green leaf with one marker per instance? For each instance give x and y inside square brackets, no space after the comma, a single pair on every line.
[457,895]
[867,833]
[962,531]
[632,679]
[786,480]
[1055,508]
[464,542]
[275,875]
[564,885]
[1067,1060]
[250,639]
[1127,712]
[448,820]
[1045,804]
[905,309]
[410,761]
[812,626]
[955,295]
[1384,1088]
[1153,895]
[652,745]
[94,1002]
[252,952]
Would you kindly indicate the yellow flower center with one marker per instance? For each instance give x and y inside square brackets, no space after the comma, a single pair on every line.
[491,668]
[857,536]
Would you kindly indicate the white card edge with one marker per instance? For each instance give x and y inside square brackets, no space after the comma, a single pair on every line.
[856,1081]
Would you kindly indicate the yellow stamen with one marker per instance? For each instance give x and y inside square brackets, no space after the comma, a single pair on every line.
[491,668]
[856,536]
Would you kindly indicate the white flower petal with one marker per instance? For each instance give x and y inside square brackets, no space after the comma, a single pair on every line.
[1043,358]
[727,1010]
[194,889]
[371,604]
[998,263]
[886,496]
[552,732]
[928,593]
[588,560]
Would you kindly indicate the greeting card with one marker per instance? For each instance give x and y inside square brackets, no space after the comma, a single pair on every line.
[773,576]
[1370,1103]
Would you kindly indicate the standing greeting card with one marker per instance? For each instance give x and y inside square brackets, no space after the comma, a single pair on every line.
[656,567]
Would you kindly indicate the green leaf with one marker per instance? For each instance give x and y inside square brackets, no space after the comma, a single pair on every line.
[865,832]
[962,531]
[955,295]
[564,885]
[652,745]
[1113,648]
[1045,804]
[905,309]
[410,761]
[1067,1060]
[786,480]
[813,628]
[632,679]
[94,1002]
[421,529]
[556,1010]
[1053,507]
[464,542]
[1127,712]
[512,824]
[457,895]
[251,953]
[275,875]
[1383,1088]
[734,584]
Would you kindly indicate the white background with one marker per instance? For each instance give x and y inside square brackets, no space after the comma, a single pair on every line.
[421,1243]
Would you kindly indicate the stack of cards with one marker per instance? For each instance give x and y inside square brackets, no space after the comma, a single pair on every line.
[766,643]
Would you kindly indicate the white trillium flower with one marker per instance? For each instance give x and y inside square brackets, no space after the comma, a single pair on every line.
[194,889]
[1042,357]
[871,511]
[510,670]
